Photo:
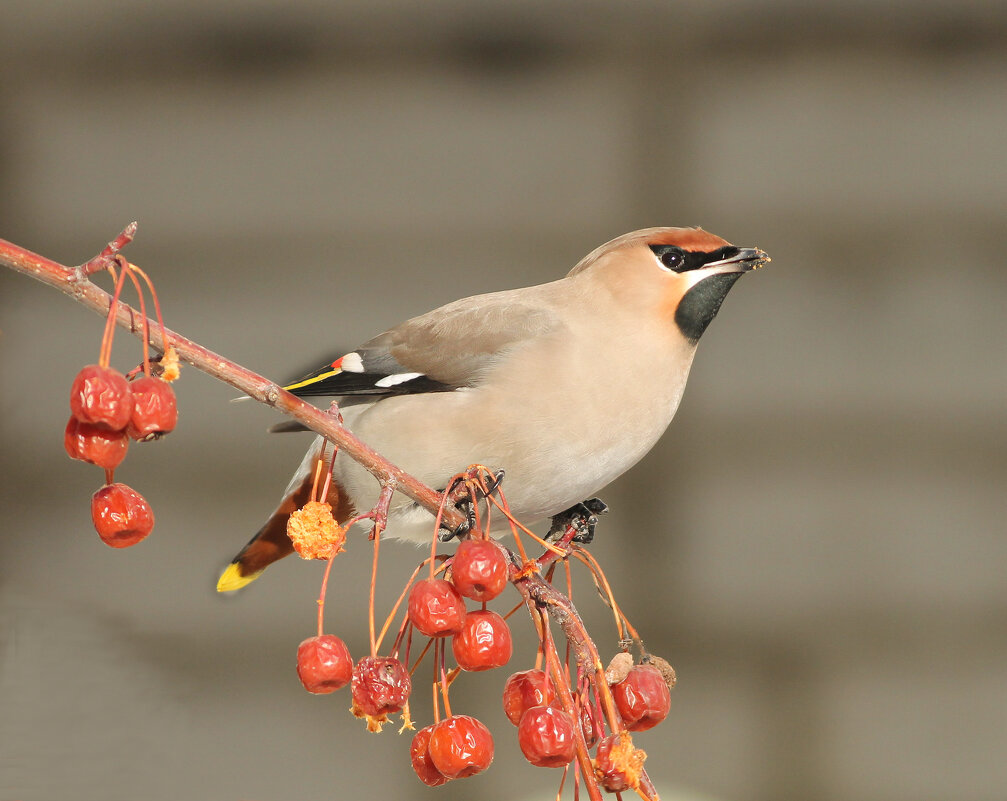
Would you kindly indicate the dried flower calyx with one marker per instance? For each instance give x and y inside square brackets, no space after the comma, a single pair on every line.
[314,531]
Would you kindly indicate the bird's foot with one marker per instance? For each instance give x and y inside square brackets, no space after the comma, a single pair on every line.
[467,502]
[582,517]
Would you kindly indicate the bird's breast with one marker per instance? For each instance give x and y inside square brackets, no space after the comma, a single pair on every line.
[563,419]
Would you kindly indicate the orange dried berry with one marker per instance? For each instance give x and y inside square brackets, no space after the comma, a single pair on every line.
[315,532]
[618,764]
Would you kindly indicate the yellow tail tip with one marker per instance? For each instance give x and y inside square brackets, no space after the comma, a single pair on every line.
[231,579]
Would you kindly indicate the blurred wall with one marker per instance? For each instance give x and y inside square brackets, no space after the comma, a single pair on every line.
[818,544]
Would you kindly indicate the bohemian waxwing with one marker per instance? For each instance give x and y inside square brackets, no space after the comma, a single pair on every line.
[564,385]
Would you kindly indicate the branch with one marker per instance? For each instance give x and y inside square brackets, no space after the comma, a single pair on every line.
[75,282]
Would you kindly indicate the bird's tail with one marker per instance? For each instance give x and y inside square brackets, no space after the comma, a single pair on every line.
[271,542]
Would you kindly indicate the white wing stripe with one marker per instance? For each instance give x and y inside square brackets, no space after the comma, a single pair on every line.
[396,378]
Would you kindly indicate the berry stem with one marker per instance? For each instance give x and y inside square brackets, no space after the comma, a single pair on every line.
[562,781]
[127,267]
[512,611]
[380,517]
[105,353]
[622,622]
[452,482]
[444,679]
[328,476]
[430,642]
[433,684]
[605,597]
[370,604]
[157,304]
[409,647]
[398,603]
[321,595]
[550,548]
[318,471]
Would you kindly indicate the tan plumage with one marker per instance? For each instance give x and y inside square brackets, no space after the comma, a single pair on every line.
[565,385]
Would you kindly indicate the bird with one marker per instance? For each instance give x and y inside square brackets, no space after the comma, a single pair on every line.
[563,385]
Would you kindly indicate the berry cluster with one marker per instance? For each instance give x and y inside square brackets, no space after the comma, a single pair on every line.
[457,745]
[561,710]
[106,411]
[460,745]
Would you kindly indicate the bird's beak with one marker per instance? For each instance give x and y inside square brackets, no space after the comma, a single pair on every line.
[744,260]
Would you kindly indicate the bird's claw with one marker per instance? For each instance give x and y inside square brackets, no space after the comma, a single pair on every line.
[582,516]
[466,505]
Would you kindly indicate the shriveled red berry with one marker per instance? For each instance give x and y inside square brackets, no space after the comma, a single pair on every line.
[642,698]
[460,746]
[419,754]
[101,396]
[479,570]
[324,664]
[380,686]
[484,641]
[617,763]
[435,608]
[121,515]
[546,737]
[154,411]
[523,690]
[95,444]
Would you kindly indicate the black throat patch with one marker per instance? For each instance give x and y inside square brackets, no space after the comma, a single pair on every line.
[701,303]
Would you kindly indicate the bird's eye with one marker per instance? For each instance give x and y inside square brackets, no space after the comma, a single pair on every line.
[673,258]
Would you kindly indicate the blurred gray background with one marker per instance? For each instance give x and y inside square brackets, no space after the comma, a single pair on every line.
[818,544]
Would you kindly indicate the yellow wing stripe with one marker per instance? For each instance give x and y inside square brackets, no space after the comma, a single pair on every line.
[313,380]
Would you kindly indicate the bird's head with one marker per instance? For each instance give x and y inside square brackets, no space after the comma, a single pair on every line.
[683,274]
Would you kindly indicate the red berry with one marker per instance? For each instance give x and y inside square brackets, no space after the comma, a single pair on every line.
[324,664]
[94,444]
[484,641]
[101,396]
[642,698]
[479,570]
[154,412]
[435,608]
[460,746]
[523,690]
[617,764]
[546,737]
[381,686]
[419,753]
[121,515]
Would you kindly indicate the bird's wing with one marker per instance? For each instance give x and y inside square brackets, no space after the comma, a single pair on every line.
[446,349]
